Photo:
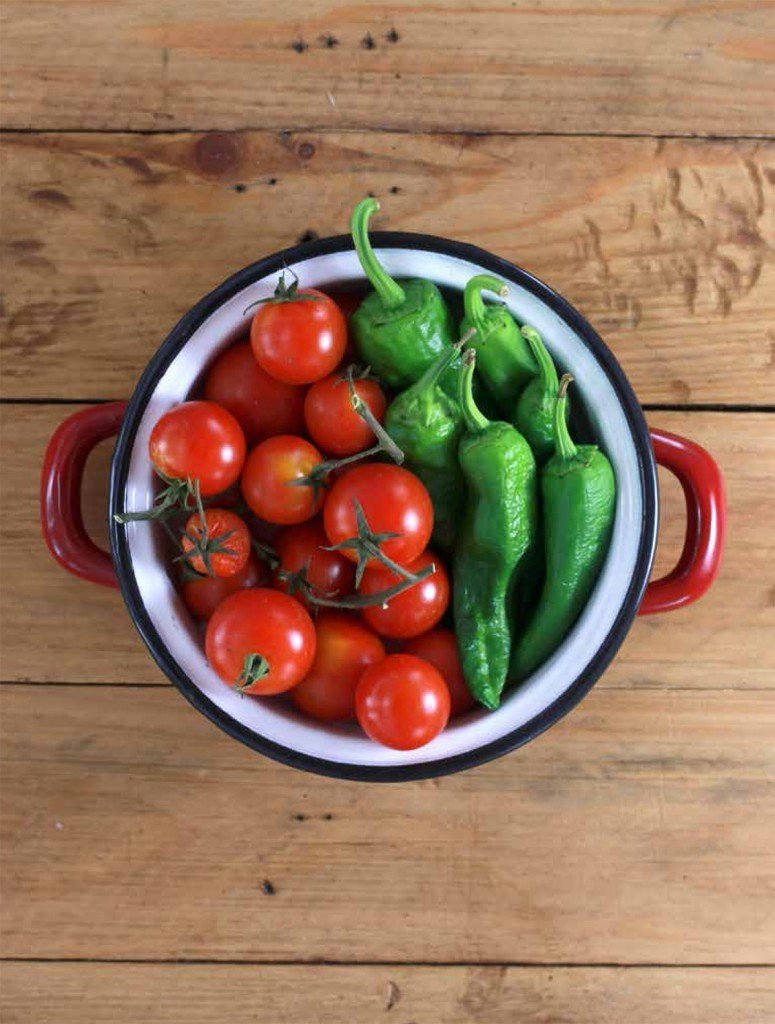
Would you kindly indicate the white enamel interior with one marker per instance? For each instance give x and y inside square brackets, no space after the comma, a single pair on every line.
[272,718]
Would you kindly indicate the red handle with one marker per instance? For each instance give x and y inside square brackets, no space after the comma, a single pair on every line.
[706,514]
[60,491]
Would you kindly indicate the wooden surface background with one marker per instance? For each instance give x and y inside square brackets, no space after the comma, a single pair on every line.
[622,867]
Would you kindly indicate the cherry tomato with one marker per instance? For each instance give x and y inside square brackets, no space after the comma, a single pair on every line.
[393,501]
[299,339]
[219,546]
[268,480]
[412,612]
[260,404]
[345,649]
[332,423]
[440,648]
[302,548]
[402,702]
[260,641]
[203,594]
[198,441]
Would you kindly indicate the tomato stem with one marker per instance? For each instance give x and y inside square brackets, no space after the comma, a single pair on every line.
[381,597]
[366,545]
[384,441]
[285,293]
[254,668]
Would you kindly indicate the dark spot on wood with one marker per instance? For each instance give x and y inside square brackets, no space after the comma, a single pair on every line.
[306,150]
[394,190]
[272,181]
[38,326]
[300,817]
[26,245]
[392,36]
[328,817]
[329,41]
[51,197]
[397,74]
[140,167]
[240,187]
[286,138]
[771,597]
[267,888]
[307,236]
[218,153]
[368,42]
[299,45]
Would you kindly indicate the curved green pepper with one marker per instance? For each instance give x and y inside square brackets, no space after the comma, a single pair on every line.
[503,357]
[498,529]
[426,424]
[399,329]
[534,414]
[579,495]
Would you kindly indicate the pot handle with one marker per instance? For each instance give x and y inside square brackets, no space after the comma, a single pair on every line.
[703,488]
[60,491]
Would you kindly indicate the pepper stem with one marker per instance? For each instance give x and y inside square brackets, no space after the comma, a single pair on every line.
[390,292]
[546,368]
[473,303]
[473,417]
[564,445]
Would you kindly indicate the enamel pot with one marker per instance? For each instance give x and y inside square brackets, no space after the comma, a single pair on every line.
[270,726]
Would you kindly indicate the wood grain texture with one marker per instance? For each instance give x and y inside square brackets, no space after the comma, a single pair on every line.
[639,830]
[723,641]
[668,248]
[163,993]
[557,65]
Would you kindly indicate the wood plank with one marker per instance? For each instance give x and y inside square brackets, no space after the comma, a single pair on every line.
[559,65]
[723,641]
[639,830]
[162,993]
[667,247]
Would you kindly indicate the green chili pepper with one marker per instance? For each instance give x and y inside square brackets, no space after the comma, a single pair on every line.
[399,329]
[497,530]
[534,415]
[426,424]
[504,361]
[579,495]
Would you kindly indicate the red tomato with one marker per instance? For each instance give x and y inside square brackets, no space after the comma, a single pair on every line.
[345,649]
[413,611]
[219,546]
[301,339]
[440,649]
[268,480]
[260,404]
[302,547]
[332,423]
[393,501]
[260,641]
[402,702]
[203,594]
[198,441]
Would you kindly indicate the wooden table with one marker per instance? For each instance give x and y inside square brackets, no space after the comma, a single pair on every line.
[622,867]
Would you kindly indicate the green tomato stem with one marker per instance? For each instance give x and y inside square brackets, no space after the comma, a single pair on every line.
[390,292]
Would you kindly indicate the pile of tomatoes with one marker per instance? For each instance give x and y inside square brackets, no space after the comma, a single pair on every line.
[307,558]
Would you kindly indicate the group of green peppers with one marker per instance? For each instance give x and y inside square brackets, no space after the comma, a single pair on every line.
[526,512]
